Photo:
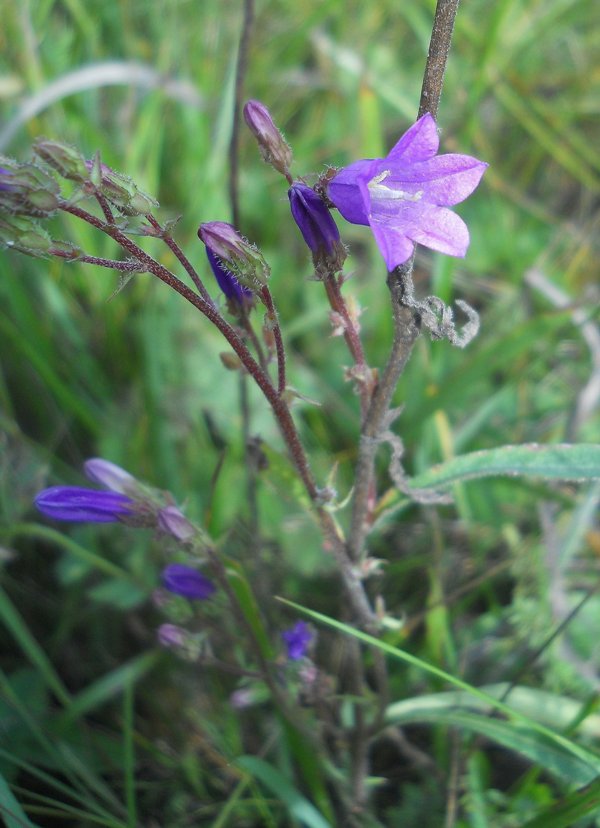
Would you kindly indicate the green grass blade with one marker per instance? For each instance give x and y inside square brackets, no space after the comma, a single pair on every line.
[298,807]
[10,810]
[13,621]
[564,814]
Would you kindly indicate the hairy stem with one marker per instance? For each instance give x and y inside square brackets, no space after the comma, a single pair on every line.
[273,323]
[437,56]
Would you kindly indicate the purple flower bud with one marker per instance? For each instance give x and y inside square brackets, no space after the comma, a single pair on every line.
[109,475]
[235,253]
[172,636]
[83,505]
[273,146]
[235,293]
[317,227]
[297,640]
[173,522]
[187,582]
[5,180]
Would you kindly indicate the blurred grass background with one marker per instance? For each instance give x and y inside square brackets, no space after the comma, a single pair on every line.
[137,378]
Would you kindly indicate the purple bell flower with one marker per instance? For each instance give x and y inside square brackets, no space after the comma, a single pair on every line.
[297,640]
[187,582]
[405,196]
[81,505]
[317,226]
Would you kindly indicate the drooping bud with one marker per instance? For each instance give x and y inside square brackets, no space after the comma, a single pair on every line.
[65,159]
[273,147]
[235,253]
[318,228]
[26,189]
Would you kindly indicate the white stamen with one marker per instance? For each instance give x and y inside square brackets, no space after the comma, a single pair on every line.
[380,192]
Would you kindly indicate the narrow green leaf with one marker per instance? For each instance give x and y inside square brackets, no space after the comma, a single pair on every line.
[565,813]
[10,810]
[558,462]
[14,622]
[299,808]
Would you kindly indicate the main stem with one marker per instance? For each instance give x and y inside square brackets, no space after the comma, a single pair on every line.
[406,320]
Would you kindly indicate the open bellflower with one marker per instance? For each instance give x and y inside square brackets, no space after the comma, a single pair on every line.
[188,582]
[81,505]
[405,196]
[317,226]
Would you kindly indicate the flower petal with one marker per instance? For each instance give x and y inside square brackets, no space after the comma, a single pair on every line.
[393,245]
[345,193]
[444,180]
[440,229]
[418,143]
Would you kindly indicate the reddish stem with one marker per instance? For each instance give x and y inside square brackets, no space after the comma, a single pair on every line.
[273,321]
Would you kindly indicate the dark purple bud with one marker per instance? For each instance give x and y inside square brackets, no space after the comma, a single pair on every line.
[187,582]
[318,228]
[109,475]
[235,293]
[273,147]
[83,505]
[173,522]
[297,640]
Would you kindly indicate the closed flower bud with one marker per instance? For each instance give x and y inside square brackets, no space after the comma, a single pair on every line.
[109,475]
[65,159]
[187,582]
[26,189]
[273,146]
[238,297]
[235,253]
[79,505]
[318,228]
[173,522]
[23,234]
[122,192]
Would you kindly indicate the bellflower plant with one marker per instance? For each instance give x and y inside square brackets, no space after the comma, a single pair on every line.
[405,196]
[237,295]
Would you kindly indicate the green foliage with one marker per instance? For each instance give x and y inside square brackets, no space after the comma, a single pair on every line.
[97,727]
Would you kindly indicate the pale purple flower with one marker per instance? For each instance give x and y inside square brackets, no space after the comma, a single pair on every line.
[317,226]
[405,196]
[297,639]
[187,582]
[109,475]
[81,505]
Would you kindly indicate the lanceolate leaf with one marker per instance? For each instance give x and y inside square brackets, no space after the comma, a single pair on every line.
[559,462]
